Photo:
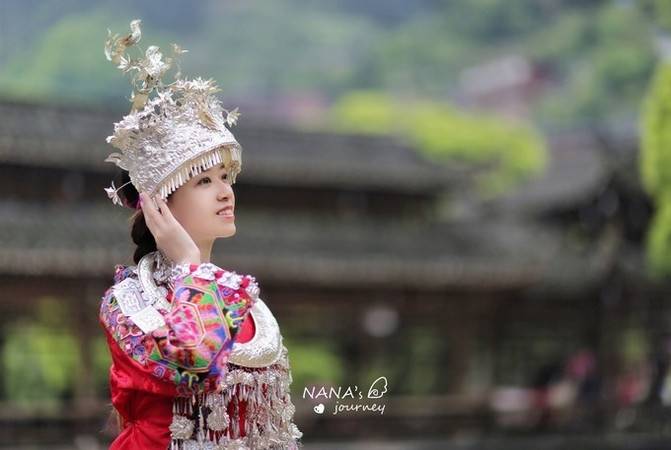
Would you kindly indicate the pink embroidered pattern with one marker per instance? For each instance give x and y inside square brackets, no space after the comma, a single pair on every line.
[192,349]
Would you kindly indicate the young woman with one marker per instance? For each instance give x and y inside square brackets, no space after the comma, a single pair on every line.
[197,356]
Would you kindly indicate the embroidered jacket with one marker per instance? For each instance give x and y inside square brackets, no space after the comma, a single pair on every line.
[197,360]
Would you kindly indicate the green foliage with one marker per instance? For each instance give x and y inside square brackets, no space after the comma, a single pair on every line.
[589,49]
[634,347]
[659,237]
[595,54]
[366,113]
[60,65]
[282,48]
[68,63]
[423,372]
[658,11]
[491,20]
[101,360]
[312,363]
[41,358]
[510,152]
[656,166]
[656,134]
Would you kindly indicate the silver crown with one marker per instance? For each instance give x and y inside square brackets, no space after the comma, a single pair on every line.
[180,132]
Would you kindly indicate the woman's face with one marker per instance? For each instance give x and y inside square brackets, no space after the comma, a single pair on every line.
[197,204]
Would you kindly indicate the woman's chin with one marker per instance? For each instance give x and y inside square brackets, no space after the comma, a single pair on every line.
[228,231]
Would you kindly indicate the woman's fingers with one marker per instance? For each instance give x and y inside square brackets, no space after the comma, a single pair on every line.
[165,211]
[169,221]
[152,215]
[171,237]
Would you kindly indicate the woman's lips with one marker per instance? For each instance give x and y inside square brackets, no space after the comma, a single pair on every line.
[226,212]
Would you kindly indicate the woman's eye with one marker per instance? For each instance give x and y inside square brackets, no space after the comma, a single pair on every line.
[207,179]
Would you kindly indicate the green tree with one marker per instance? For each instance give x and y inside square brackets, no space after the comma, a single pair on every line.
[41,358]
[655,163]
[594,54]
[508,152]
[68,64]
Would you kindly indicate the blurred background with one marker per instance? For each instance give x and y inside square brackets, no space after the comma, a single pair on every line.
[471,199]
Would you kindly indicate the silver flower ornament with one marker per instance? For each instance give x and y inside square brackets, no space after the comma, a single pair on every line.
[232,117]
[115,46]
[112,194]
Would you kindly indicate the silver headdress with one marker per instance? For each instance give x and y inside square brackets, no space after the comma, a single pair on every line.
[180,132]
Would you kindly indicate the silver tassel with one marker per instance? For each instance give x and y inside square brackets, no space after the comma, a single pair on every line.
[268,416]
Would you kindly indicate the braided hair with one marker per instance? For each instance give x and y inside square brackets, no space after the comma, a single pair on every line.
[142,237]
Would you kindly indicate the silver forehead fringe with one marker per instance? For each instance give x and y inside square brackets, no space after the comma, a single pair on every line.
[200,164]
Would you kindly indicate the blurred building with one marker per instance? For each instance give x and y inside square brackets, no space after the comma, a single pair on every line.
[507,86]
[349,240]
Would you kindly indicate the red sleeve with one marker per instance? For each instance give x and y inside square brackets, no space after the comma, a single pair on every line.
[143,402]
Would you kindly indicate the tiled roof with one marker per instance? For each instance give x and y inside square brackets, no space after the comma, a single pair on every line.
[53,136]
[576,170]
[87,240]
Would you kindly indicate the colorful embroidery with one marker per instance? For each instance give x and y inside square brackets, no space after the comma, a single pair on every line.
[192,349]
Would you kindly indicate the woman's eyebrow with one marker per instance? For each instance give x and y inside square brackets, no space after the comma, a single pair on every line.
[223,166]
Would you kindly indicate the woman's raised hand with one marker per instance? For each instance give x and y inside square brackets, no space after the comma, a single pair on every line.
[171,237]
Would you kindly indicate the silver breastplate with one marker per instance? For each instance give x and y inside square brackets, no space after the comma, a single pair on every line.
[265,348]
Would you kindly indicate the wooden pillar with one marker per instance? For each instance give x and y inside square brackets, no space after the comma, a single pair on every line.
[459,328]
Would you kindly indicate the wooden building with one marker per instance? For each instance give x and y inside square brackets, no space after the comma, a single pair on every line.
[353,245]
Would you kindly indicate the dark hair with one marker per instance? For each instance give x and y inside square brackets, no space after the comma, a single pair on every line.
[139,232]
[114,423]
[145,243]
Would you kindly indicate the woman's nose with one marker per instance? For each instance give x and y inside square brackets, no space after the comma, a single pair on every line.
[225,190]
